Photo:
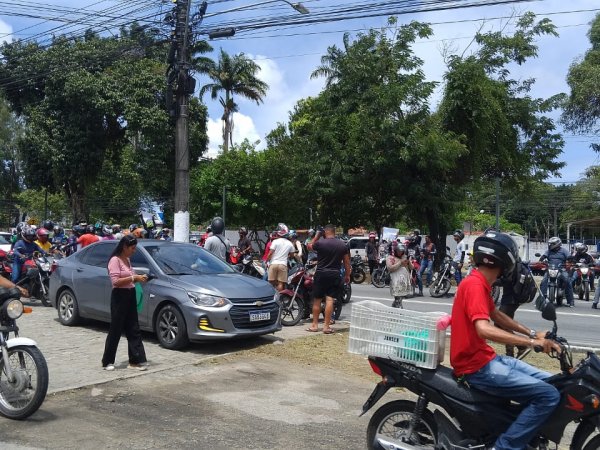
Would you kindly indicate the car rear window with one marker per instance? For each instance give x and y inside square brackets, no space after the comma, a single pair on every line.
[98,255]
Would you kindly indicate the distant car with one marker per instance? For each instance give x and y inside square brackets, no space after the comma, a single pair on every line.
[192,295]
[5,241]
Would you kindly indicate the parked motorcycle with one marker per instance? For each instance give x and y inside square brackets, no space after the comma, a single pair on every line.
[35,275]
[297,299]
[251,266]
[24,373]
[381,275]
[467,418]
[582,283]
[441,280]
[358,269]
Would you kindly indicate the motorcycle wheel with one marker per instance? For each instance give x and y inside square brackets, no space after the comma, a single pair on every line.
[593,444]
[45,298]
[347,293]
[439,288]
[359,276]
[337,309]
[392,420]
[552,295]
[23,397]
[586,293]
[580,291]
[378,278]
[291,311]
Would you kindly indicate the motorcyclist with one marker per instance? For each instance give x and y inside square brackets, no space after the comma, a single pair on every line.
[558,256]
[218,244]
[24,249]
[43,239]
[89,237]
[107,233]
[298,249]
[459,255]
[581,255]
[59,237]
[244,245]
[476,363]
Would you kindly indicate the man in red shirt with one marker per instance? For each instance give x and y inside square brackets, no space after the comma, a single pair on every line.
[495,254]
[89,237]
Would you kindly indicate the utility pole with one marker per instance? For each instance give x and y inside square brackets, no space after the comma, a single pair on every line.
[182,84]
[498,203]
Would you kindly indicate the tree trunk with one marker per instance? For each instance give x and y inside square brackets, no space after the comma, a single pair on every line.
[437,232]
[76,202]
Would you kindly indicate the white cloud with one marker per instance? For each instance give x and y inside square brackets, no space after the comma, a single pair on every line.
[243,128]
[5,31]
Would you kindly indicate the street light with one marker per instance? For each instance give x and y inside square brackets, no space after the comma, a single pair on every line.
[297,6]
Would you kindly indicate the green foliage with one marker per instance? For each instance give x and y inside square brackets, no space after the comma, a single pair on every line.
[11,130]
[582,109]
[41,204]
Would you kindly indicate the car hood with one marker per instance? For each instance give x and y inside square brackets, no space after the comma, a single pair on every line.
[228,285]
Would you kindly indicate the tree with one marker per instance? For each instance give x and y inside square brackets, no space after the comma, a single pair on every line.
[233,75]
[11,130]
[582,109]
[89,105]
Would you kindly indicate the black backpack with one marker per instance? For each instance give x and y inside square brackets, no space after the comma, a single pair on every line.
[523,284]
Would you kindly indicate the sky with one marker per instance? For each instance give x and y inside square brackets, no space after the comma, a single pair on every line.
[288,56]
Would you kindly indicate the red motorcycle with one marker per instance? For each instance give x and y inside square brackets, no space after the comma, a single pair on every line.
[35,274]
[297,299]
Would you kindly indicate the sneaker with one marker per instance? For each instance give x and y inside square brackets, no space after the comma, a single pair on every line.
[594,306]
[137,366]
[109,367]
[571,306]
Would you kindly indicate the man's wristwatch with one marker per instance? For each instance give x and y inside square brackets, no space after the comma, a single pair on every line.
[532,334]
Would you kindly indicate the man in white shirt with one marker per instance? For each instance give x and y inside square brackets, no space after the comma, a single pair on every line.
[277,258]
[459,256]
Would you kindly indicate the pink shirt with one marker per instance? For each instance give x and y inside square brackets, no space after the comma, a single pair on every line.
[118,269]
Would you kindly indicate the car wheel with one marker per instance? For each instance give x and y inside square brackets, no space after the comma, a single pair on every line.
[68,308]
[170,328]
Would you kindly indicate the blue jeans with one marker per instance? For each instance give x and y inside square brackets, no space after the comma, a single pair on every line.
[567,283]
[510,378]
[16,269]
[425,264]
[458,273]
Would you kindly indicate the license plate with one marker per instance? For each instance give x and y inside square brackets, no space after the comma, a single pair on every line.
[257,316]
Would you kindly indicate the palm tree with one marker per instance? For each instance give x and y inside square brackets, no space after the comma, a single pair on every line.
[232,75]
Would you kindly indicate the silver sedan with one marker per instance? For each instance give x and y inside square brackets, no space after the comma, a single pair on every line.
[191,296]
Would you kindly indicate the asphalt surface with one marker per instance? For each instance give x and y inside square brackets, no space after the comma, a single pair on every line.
[198,399]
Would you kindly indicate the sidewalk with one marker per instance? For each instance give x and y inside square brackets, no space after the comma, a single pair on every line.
[73,353]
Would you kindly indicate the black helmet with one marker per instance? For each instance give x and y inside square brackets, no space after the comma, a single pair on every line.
[133,226]
[78,230]
[90,229]
[116,228]
[554,243]
[48,225]
[28,233]
[459,234]
[217,225]
[243,230]
[581,247]
[20,226]
[495,249]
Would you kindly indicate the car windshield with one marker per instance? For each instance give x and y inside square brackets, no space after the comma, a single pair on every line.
[186,260]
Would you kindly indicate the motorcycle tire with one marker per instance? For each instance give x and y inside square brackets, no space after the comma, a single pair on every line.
[378,278]
[337,310]
[586,293]
[23,397]
[45,298]
[552,296]
[393,420]
[439,288]
[359,276]
[593,444]
[347,295]
[292,312]
[579,291]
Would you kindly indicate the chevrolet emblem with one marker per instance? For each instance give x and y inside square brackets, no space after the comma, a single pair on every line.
[259,303]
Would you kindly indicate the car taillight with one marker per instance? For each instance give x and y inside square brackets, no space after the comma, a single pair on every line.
[375,368]
[53,266]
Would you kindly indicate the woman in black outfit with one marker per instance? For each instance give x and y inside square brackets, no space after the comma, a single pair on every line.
[123,307]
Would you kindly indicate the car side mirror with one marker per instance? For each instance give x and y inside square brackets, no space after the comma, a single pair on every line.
[142,271]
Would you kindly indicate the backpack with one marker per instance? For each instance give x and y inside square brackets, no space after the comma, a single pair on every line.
[523,284]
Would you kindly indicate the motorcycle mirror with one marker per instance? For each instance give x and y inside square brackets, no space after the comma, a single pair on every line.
[538,255]
[549,312]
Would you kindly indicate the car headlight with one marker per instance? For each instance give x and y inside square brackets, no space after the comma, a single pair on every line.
[14,309]
[208,300]
[553,273]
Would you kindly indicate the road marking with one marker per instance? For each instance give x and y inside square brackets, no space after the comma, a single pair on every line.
[412,300]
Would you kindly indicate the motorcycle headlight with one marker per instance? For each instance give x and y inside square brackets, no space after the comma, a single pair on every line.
[14,309]
[553,273]
[208,300]
[45,267]
[584,270]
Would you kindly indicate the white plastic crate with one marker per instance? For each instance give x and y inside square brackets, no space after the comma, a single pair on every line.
[400,334]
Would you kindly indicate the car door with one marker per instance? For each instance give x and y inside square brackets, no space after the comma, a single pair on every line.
[92,283]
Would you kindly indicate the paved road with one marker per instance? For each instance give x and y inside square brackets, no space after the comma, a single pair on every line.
[579,325]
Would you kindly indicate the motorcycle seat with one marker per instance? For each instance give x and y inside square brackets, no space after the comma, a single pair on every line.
[443,380]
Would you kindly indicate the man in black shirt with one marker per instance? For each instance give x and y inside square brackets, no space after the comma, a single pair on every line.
[372,250]
[331,253]
[244,244]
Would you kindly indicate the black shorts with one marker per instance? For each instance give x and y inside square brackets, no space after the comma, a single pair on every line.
[327,284]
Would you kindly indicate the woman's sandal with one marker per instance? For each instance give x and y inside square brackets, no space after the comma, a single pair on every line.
[312,330]
[329,331]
